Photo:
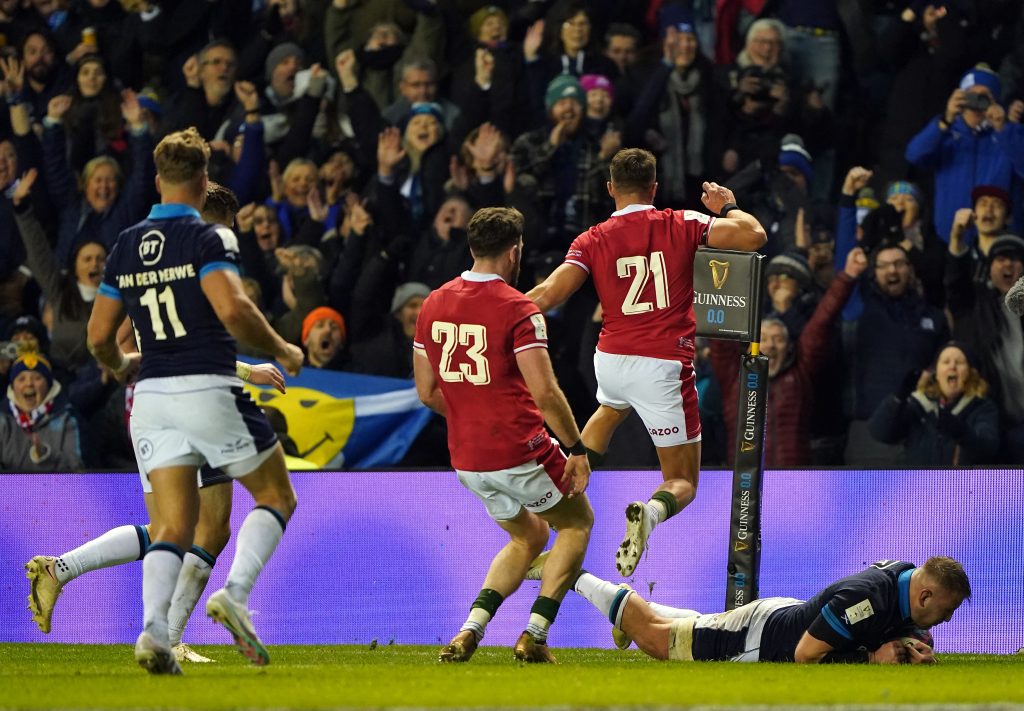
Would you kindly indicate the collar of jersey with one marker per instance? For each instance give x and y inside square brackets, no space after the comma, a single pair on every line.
[477,276]
[171,210]
[635,207]
[903,590]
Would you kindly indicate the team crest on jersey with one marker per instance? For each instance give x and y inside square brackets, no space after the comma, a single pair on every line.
[540,330]
[151,247]
[861,611]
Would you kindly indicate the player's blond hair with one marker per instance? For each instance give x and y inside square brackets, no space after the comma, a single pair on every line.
[633,170]
[948,574]
[181,157]
[492,230]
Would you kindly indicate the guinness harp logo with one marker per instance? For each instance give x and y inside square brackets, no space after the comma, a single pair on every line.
[719,272]
[746,446]
[740,546]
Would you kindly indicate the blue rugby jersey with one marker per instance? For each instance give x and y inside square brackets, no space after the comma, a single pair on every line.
[155,268]
[860,611]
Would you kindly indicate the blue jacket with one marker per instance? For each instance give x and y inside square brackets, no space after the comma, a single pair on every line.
[963,158]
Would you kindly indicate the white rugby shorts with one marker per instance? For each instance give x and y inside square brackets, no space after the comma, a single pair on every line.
[663,393]
[198,419]
[532,485]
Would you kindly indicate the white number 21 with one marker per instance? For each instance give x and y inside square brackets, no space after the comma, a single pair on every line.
[642,270]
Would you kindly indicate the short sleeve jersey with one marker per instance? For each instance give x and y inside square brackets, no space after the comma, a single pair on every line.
[155,268]
[470,330]
[641,260]
[861,611]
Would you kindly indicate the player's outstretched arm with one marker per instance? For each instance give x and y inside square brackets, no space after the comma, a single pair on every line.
[737,229]
[558,287]
[535,365]
[101,334]
[426,383]
[244,320]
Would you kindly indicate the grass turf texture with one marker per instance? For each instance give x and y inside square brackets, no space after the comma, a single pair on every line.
[105,676]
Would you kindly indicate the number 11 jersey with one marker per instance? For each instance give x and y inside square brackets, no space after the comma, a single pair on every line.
[155,268]
[641,260]
[470,330]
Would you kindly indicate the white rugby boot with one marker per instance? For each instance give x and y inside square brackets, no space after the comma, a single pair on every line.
[635,543]
[184,653]
[235,618]
[155,657]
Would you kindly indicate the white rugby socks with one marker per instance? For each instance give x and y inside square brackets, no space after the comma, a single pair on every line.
[608,598]
[257,538]
[195,573]
[671,613]
[160,570]
[118,545]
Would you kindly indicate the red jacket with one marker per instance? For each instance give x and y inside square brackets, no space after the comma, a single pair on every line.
[790,391]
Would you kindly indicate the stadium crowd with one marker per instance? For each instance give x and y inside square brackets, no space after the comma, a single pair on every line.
[360,136]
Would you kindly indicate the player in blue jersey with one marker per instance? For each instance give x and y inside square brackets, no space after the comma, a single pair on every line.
[49,574]
[878,616]
[176,277]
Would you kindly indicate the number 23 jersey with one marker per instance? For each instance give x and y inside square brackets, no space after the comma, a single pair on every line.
[470,330]
[641,260]
[155,268]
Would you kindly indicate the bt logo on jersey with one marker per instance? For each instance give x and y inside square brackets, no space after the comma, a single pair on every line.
[151,247]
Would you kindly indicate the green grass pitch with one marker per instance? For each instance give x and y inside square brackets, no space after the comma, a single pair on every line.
[106,677]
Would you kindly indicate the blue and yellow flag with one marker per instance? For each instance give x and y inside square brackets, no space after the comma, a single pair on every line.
[346,421]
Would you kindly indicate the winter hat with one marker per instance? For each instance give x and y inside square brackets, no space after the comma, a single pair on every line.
[792,153]
[149,99]
[903,187]
[969,353]
[589,82]
[791,264]
[982,75]
[424,107]
[990,191]
[678,16]
[477,19]
[319,314]
[32,360]
[865,203]
[280,53]
[564,86]
[1007,246]
[405,292]
[29,324]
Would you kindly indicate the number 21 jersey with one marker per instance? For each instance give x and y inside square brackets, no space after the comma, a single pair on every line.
[641,260]
[470,330]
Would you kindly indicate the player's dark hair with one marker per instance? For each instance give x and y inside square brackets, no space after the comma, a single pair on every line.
[220,206]
[181,157]
[492,230]
[633,170]
[949,574]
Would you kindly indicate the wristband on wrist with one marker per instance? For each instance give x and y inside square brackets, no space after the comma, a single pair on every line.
[243,370]
[578,450]
[726,208]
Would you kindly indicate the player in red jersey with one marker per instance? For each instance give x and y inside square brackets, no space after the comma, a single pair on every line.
[641,260]
[482,362]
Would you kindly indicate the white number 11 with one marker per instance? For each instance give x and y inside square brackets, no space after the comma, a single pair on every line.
[152,302]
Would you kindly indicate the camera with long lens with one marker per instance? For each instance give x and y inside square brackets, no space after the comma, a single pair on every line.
[977,101]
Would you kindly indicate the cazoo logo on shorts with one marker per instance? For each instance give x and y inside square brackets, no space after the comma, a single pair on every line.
[662,431]
[541,501]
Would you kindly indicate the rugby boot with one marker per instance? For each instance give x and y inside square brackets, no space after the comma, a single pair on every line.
[531,651]
[235,618]
[460,649]
[44,588]
[184,653]
[635,542]
[155,657]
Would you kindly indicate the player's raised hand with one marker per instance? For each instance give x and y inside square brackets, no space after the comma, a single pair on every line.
[267,374]
[291,359]
[716,196]
[576,474]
